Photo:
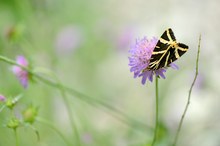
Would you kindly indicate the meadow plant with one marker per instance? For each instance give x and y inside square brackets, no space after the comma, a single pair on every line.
[141,53]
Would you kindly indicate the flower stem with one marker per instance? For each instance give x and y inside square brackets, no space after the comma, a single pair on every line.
[189,95]
[70,113]
[123,117]
[43,121]
[157,113]
[16,138]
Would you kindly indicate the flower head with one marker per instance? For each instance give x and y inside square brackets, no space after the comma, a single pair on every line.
[140,57]
[2,98]
[13,123]
[21,74]
[30,114]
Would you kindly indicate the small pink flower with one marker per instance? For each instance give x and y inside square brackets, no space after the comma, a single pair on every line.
[2,98]
[20,73]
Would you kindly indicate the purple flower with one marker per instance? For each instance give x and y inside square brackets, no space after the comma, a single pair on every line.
[20,73]
[2,98]
[139,60]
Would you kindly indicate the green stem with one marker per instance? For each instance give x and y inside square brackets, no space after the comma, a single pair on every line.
[189,95]
[67,104]
[157,113]
[54,128]
[16,137]
[90,100]
[35,130]
[70,113]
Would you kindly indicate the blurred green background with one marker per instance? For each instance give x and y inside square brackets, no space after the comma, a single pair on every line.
[85,43]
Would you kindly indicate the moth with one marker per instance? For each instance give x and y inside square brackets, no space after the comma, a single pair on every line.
[166,51]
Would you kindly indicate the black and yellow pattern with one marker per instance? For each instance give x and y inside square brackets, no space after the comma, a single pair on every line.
[166,51]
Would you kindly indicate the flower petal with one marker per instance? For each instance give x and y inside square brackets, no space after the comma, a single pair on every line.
[174,66]
[20,73]
[150,77]
[141,53]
